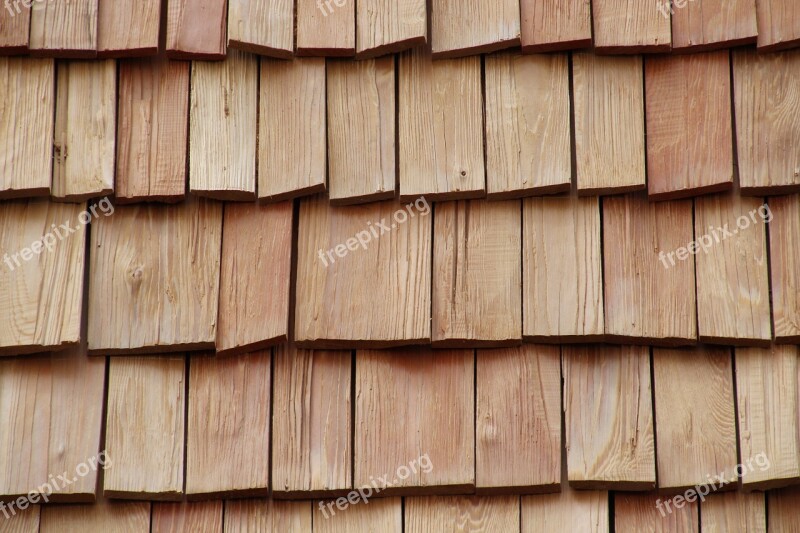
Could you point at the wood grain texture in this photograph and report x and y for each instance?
(227, 447)
(695, 419)
(609, 123)
(312, 449)
(689, 130)
(778, 24)
(518, 420)
(361, 130)
(267, 516)
(223, 126)
(649, 295)
(468, 28)
(562, 270)
(381, 514)
(25, 397)
(326, 29)
(377, 295)
(196, 29)
(767, 397)
(554, 25)
(443, 514)
(199, 517)
(609, 417)
(128, 28)
(254, 277)
(528, 147)
(105, 516)
(14, 34)
(767, 106)
(477, 271)
(153, 111)
(292, 128)
(53, 412)
(145, 428)
(265, 28)
(85, 129)
(28, 278)
(569, 510)
(784, 239)
(712, 24)
(734, 511)
(782, 509)
(65, 29)
(26, 126)
(76, 420)
(635, 513)
(440, 131)
(732, 308)
(631, 26)
(155, 278)
(415, 406)
(23, 522)
(385, 26)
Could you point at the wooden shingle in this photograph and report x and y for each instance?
(631, 26)
(154, 274)
(609, 417)
(222, 127)
(554, 25)
(766, 393)
(562, 269)
(439, 514)
(228, 421)
(784, 260)
(440, 127)
(695, 420)
(195, 29)
(730, 236)
(466, 28)
(477, 270)
(518, 420)
(767, 110)
(292, 128)
(85, 129)
(711, 24)
(649, 294)
(65, 29)
(353, 295)
(312, 448)
(384, 26)
(361, 130)
(527, 125)
(153, 111)
(255, 273)
(609, 123)
(128, 28)
(265, 28)
(415, 401)
(26, 127)
(53, 274)
(145, 427)
(689, 125)
(326, 28)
